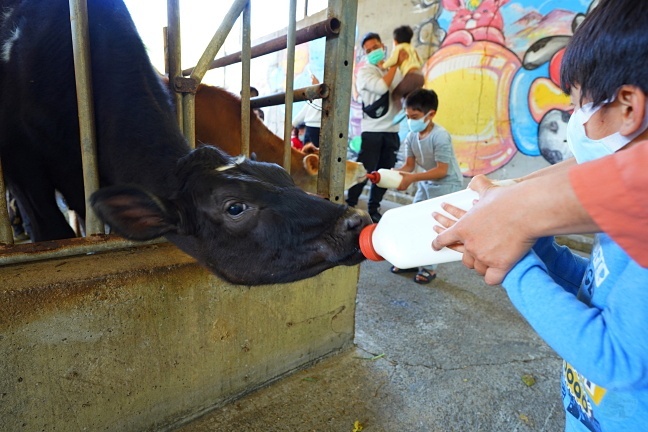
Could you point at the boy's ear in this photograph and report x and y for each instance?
(633, 105)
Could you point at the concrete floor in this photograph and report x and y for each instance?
(453, 355)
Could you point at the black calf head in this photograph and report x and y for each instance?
(245, 221)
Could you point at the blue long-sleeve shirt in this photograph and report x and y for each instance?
(594, 314)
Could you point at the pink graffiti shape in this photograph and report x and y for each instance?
(483, 23)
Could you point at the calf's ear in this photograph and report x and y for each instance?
(133, 213)
(311, 164)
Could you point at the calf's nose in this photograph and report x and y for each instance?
(356, 220)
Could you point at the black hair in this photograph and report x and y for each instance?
(252, 90)
(403, 34)
(609, 49)
(370, 36)
(422, 100)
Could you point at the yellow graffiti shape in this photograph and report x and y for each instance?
(473, 4)
(473, 85)
(544, 96)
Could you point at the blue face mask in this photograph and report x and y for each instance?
(586, 149)
(418, 125)
(375, 56)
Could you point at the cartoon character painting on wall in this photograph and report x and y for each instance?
(495, 66)
(475, 20)
(472, 73)
(552, 109)
(496, 103)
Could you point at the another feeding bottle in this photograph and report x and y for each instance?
(404, 235)
(385, 178)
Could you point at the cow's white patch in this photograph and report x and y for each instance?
(6, 13)
(8, 44)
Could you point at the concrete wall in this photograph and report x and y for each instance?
(140, 339)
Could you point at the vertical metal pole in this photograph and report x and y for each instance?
(173, 43)
(246, 52)
(189, 118)
(82, 67)
(290, 78)
(6, 233)
(338, 65)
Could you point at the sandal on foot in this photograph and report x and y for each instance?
(424, 277)
(397, 270)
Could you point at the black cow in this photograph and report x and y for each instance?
(244, 220)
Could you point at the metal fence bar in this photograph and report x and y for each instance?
(245, 80)
(6, 233)
(85, 101)
(326, 28)
(338, 71)
(63, 248)
(217, 41)
(189, 118)
(174, 53)
(290, 80)
(198, 72)
(309, 93)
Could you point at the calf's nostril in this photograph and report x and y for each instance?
(356, 221)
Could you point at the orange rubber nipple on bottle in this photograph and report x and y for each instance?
(374, 177)
(366, 244)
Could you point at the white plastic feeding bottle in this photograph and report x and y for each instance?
(385, 178)
(404, 235)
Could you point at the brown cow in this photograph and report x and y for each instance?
(218, 122)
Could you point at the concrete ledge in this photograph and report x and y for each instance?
(143, 339)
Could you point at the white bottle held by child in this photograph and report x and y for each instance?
(404, 234)
(385, 178)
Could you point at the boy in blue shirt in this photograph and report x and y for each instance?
(594, 312)
(429, 148)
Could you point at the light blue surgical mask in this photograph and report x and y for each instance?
(586, 149)
(375, 56)
(301, 137)
(418, 125)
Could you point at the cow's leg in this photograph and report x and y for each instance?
(37, 200)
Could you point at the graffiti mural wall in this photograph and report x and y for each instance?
(495, 66)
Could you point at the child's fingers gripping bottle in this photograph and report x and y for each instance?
(404, 235)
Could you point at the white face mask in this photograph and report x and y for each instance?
(587, 149)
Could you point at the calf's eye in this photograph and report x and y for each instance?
(236, 209)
